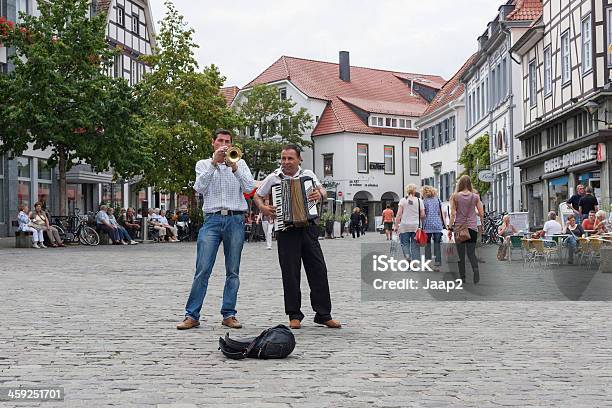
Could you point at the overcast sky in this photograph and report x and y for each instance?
(244, 37)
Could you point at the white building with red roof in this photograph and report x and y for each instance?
(364, 135)
(442, 136)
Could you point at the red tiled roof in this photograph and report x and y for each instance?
(229, 93)
(452, 90)
(385, 107)
(526, 10)
(371, 90)
(103, 5)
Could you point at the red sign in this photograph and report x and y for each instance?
(601, 152)
(339, 193)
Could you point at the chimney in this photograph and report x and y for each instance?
(345, 66)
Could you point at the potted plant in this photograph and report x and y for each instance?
(327, 222)
(342, 219)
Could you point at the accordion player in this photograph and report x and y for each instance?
(293, 208)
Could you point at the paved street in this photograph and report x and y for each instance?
(100, 322)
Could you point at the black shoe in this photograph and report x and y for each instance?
(481, 260)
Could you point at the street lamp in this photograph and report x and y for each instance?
(591, 107)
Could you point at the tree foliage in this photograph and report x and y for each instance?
(59, 96)
(183, 106)
(475, 157)
(273, 122)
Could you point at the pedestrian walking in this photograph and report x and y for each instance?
(433, 223)
(463, 224)
(355, 223)
(410, 211)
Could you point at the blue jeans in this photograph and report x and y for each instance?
(123, 234)
(436, 237)
(410, 247)
(217, 228)
(572, 243)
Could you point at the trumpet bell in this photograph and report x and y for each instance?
(233, 154)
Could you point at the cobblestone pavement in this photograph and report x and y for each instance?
(100, 322)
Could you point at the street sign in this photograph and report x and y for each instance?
(339, 193)
(486, 176)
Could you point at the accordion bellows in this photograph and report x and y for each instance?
(292, 205)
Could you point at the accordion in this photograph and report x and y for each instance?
(293, 208)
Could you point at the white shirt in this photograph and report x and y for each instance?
(552, 227)
(410, 214)
(221, 188)
(277, 175)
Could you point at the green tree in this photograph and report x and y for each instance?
(474, 157)
(183, 106)
(59, 97)
(273, 122)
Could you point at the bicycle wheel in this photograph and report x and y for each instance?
(61, 232)
(89, 236)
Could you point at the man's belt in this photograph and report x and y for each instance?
(227, 212)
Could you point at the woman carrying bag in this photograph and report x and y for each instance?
(464, 204)
(433, 223)
(410, 211)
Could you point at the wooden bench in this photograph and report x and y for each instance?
(23, 239)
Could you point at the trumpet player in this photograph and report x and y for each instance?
(221, 180)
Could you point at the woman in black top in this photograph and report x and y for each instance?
(355, 226)
(574, 231)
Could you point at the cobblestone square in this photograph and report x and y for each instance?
(100, 322)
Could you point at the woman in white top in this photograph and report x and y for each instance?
(25, 224)
(39, 217)
(410, 211)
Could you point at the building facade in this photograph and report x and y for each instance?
(441, 134)
(566, 79)
(27, 178)
(493, 87)
(365, 141)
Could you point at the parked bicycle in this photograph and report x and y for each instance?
(75, 229)
(490, 234)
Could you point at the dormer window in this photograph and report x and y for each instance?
(390, 122)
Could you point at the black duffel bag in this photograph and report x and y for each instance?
(275, 342)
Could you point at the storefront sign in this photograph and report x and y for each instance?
(601, 152)
(571, 159)
(377, 166)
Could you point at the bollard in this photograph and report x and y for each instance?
(145, 231)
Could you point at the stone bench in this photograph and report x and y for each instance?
(23, 239)
(605, 263)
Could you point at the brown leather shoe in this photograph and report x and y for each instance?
(334, 324)
(188, 323)
(295, 324)
(232, 322)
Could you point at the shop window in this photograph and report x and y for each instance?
(557, 192)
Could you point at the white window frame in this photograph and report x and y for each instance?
(120, 16)
(548, 70)
(391, 156)
(609, 34)
(566, 58)
(281, 92)
(587, 44)
(532, 81)
(361, 154)
(414, 157)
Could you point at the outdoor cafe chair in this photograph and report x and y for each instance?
(542, 251)
(516, 244)
(584, 249)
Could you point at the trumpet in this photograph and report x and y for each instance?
(233, 154)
